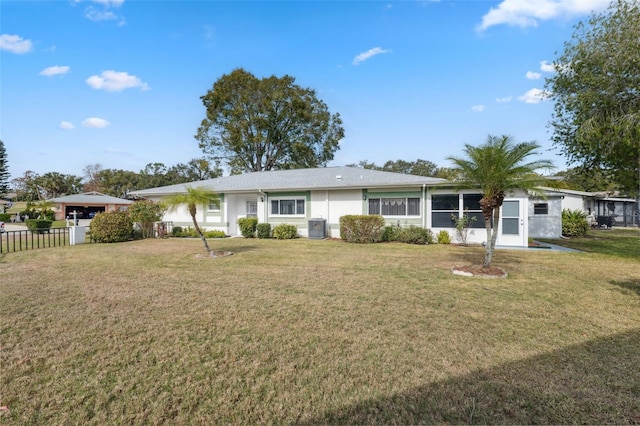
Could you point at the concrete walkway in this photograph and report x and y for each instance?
(544, 247)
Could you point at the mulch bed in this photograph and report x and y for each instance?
(479, 271)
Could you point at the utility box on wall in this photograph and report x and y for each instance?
(317, 229)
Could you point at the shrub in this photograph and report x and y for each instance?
(111, 227)
(389, 233)
(462, 226)
(361, 228)
(414, 235)
(285, 231)
(444, 237)
(574, 223)
(248, 226)
(146, 213)
(5, 217)
(176, 231)
(263, 230)
(214, 234)
(38, 226)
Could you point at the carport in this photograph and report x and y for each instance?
(87, 205)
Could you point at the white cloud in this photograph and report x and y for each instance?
(95, 15)
(546, 66)
(113, 81)
(55, 70)
(65, 125)
(533, 75)
(534, 96)
(95, 123)
(504, 99)
(109, 3)
(15, 44)
(527, 13)
(477, 108)
(369, 54)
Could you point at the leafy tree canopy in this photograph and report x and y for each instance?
(265, 124)
(418, 167)
(596, 90)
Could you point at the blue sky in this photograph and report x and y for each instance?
(118, 82)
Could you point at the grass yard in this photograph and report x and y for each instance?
(310, 332)
(622, 242)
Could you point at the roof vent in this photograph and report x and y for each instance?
(338, 177)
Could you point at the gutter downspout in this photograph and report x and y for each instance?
(424, 205)
(265, 205)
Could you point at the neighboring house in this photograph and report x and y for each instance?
(86, 205)
(305, 197)
(600, 208)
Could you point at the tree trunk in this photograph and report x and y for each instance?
(202, 237)
(491, 243)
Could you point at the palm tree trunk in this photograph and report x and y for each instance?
(202, 237)
(488, 251)
(491, 244)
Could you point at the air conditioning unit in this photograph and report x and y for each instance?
(317, 229)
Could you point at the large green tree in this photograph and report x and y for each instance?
(194, 198)
(4, 170)
(54, 184)
(596, 90)
(497, 167)
(270, 123)
(418, 167)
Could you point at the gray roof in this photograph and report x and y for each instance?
(299, 179)
(90, 198)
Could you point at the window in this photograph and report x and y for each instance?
(443, 208)
(471, 208)
(395, 206)
(252, 209)
(214, 206)
(287, 207)
(510, 218)
(541, 208)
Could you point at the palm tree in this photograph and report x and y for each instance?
(193, 198)
(498, 166)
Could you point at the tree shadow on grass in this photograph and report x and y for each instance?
(597, 382)
(630, 286)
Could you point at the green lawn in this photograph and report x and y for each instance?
(620, 242)
(312, 332)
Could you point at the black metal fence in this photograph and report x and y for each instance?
(12, 241)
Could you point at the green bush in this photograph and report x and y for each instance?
(38, 226)
(389, 233)
(5, 217)
(285, 231)
(361, 228)
(248, 226)
(444, 237)
(574, 223)
(415, 235)
(180, 232)
(214, 233)
(263, 230)
(146, 213)
(111, 227)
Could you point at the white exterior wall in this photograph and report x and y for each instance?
(341, 203)
(573, 202)
(549, 225)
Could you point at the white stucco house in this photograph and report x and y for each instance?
(307, 197)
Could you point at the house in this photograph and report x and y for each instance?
(545, 213)
(306, 197)
(87, 204)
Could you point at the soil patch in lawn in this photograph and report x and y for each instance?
(479, 271)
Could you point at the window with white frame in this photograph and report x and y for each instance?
(444, 207)
(288, 207)
(214, 206)
(409, 206)
(472, 209)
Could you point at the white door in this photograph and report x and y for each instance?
(512, 229)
